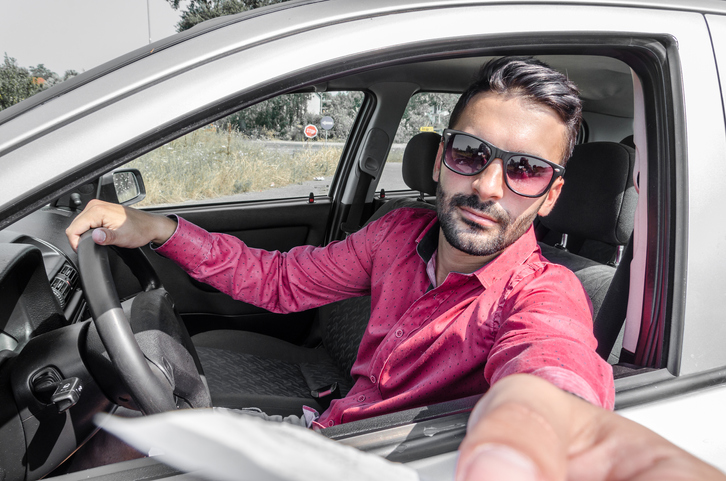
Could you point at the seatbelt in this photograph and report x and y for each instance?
(614, 309)
(326, 394)
(355, 215)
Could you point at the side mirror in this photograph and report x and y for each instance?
(122, 186)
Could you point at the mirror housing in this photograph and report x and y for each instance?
(122, 186)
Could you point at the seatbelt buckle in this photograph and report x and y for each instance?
(325, 394)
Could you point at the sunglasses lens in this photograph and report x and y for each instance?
(528, 176)
(466, 155)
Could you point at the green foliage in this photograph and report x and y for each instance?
(425, 110)
(284, 117)
(41, 71)
(69, 74)
(212, 163)
(199, 11)
(342, 107)
(16, 83)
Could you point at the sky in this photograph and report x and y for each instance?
(80, 34)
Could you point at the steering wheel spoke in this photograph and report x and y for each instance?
(165, 341)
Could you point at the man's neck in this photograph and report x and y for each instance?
(450, 259)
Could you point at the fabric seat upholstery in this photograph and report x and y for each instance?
(245, 369)
(596, 208)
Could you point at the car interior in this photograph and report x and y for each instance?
(250, 357)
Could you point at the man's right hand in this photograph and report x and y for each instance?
(524, 428)
(120, 226)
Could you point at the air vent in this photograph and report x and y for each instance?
(64, 283)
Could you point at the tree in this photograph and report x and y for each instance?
(343, 108)
(69, 74)
(17, 83)
(199, 11)
(41, 71)
(425, 110)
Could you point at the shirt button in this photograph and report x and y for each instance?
(399, 333)
(361, 398)
(331, 424)
(373, 379)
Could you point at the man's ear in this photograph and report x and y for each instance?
(551, 197)
(437, 164)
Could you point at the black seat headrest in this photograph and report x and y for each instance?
(418, 162)
(598, 198)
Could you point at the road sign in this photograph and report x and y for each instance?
(326, 122)
(311, 131)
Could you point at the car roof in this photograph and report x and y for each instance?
(335, 11)
(189, 56)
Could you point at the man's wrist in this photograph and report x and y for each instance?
(166, 227)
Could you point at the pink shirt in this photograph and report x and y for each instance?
(517, 314)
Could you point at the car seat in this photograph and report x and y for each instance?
(594, 215)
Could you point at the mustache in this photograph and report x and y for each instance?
(489, 208)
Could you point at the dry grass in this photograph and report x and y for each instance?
(208, 164)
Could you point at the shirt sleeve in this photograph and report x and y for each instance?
(546, 330)
(282, 282)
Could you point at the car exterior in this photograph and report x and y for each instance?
(649, 68)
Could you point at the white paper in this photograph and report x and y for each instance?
(225, 446)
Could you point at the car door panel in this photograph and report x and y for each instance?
(273, 225)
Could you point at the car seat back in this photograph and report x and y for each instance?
(595, 212)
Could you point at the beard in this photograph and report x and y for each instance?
(475, 239)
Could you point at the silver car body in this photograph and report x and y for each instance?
(119, 110)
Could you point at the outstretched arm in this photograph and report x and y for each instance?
(525, 428)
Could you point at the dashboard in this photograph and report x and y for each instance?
(39, 280)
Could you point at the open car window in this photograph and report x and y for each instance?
(266, 151)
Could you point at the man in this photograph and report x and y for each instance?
(460, 298)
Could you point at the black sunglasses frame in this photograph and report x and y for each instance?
(448, 135)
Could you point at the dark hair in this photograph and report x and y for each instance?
(533, 80)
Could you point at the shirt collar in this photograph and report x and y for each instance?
(428, 240)
(513, 256)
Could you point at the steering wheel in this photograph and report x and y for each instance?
(168, 368)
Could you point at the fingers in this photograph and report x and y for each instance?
(527, 429)
(118, 225)
(96, 214)
(519, 430)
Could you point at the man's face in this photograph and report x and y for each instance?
(479, 215)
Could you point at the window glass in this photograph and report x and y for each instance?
(425, 112)
(266, 151)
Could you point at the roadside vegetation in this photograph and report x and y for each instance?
(212, 163)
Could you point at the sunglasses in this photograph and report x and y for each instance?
(525, 174)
